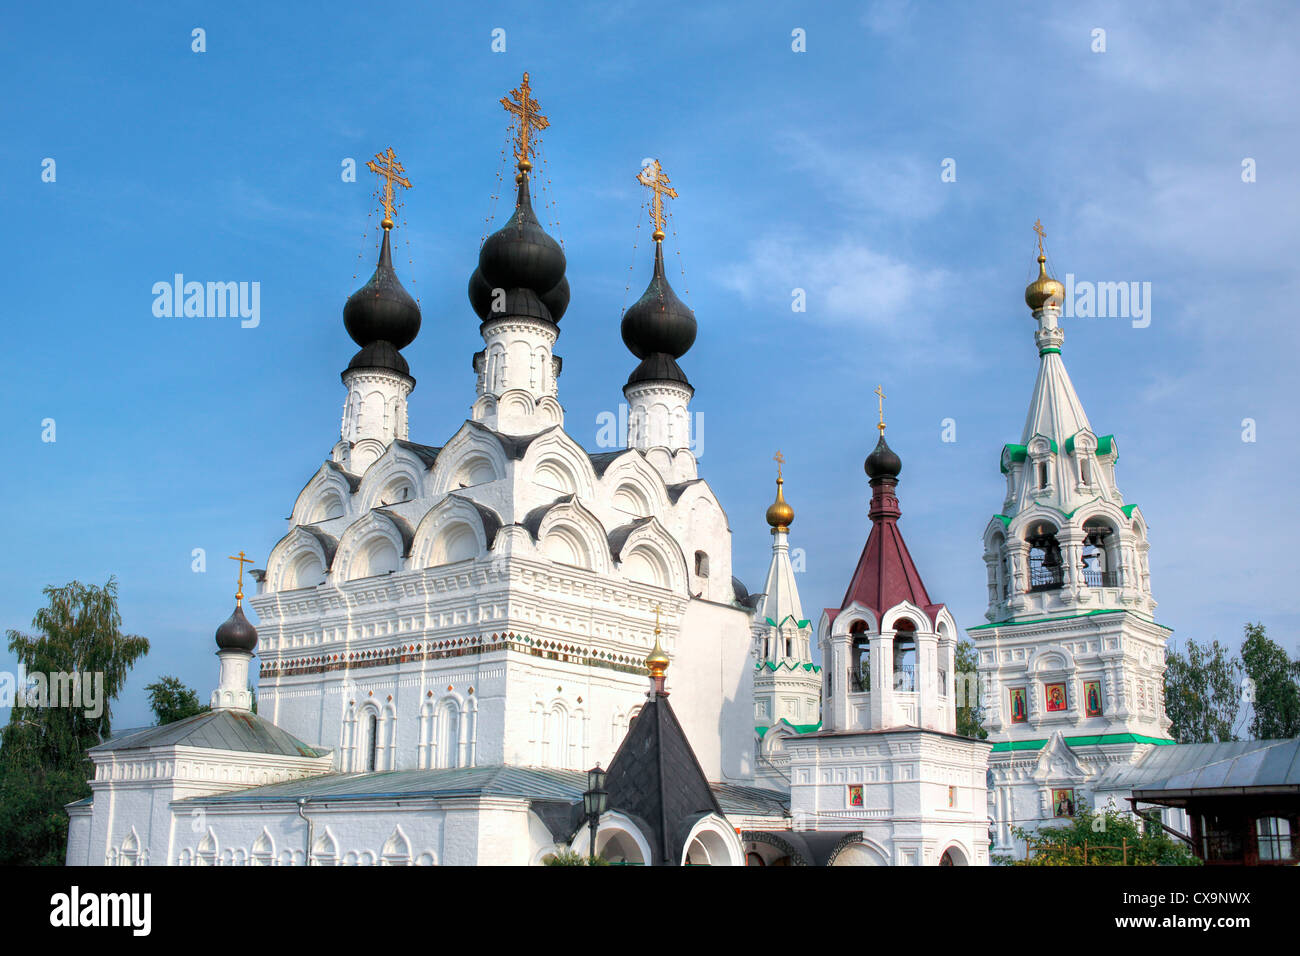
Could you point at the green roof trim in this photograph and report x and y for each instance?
(1128, 510)
(1105, 445)
(1042, 352)
(1006, 520)
(1066, 617)
(774, 666)
(788, 617)
(1088, 740)
(1015, 452)
(798, 728)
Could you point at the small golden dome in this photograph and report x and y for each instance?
(657, 660)
(779, 514)
(1044, 289)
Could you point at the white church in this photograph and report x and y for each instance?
(450, 636)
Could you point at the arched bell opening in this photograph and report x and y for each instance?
(1100, 554)
(1046, 570)
(860, 658)
(905, 656)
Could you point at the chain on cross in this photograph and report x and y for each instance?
(390, 170)
(525, 109)
(652, 176)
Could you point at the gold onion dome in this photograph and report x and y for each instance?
(779, 513)
(1044, 290)
(657, 660)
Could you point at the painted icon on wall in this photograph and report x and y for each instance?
(1055, 694)
(855, 794)
(1063, 803)
(952, 796)
(1019, 714)
(1092, 698)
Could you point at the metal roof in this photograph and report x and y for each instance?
(1235, 766)
(523, 782)
(239, 731)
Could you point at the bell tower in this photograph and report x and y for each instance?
(1071, 661)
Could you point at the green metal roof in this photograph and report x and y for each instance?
(1087, 740)
(1066, 617)
(798, 728)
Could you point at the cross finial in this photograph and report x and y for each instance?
(780, 460)
(880, 398)
(529, 119)
(657, 631)
(653, 178)
(239, 589)
(386, 167)
(1042, 234)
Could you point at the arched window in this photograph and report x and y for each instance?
(1044, 558)
(905, 656)
(448, 752)
(1042, 474)
(1085, 473)
(372, 741)
(860, 658)
(701, 564)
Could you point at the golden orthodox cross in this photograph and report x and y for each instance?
(880, 398)
(526, 109)
(390, 170)
(1042, 234)
(780, 460)
(653, 178)
(239, 591)
(657, 631)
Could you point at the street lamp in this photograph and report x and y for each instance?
(593, 804)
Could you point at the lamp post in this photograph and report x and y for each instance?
(593, 804)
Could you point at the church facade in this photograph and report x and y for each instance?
(451, 636)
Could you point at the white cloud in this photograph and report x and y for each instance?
(846, 281)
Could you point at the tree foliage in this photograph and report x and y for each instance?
(43, 763)
(570, 858)
(1202, 693)
(970, 708)
(1101, 838)
(1274, 686)
(170, 700)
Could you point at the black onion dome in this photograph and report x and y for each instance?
(381, 310)
(237, 633)
(659, 322)
(526, 262)
(882, 462)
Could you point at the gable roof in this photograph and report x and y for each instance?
(656, 779)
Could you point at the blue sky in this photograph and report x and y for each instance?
(818, 170)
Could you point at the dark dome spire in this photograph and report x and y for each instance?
(658, 328)
(882, 462)
(237, 633)
(521, 259)
(382, 317)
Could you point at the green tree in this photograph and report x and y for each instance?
(170, 700)
(970, 708)
(1274, 686)
(570, 858)
(1202, 693)
(43, 762)
(1101, 838)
